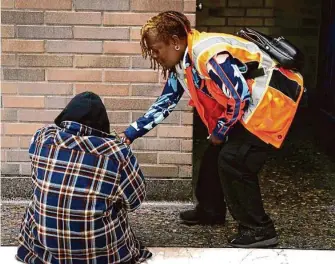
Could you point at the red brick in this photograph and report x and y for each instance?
(134, 19)
(45, 61)
(8, 60)
(3, 155)
(9, 142)
(7, 31)
(44, 4)
(127, 103)
(37, 116)
(190, 6)
(187, 118)
(25, 168)
(73, 46)
(186, 145)
(25, 141)
(95, 61)
(16, 45)
(24, 74)
(10, 169)
(73, 18)
(35, 88)
(9, 88)
(103, 5)
(100, 33)
(7, 4)
(130, 76)
(22, 17)
(147, 90)
(156, 5)
(135, 33)
(8, 115)
(175, 158)
(21, 128)
(159, 171)
(44, 32)
(163, 144)
(74, 75)
(17, 156)
(23, 101)
(185, 171)
(152, 144)
(104, 89)
(119, 117)
(146, 157)
(183, 105)
(140, 62)
(56, 102)
(175, 131)
(127, 19)
(192, 19)
(122, 47)
(138, 144)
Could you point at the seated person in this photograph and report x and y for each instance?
(85, 183)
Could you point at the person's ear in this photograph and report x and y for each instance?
(175, 40)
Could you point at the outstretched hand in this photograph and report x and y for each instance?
(125, 139)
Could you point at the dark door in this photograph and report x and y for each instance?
(326, 76)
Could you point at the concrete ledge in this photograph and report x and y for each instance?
(20, 188)
(157, 224)
(168, 255)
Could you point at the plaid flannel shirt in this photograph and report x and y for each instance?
(85, 182)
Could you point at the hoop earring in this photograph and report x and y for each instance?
(177, 47)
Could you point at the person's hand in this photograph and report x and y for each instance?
(215, 140)
(125, 139)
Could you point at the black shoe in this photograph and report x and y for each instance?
(252, 239)
(195, 217)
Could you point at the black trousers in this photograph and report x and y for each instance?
(228, 177)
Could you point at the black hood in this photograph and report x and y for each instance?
(86, 108)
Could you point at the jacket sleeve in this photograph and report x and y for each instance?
(227, 76)
(132, 185)
(163, 106)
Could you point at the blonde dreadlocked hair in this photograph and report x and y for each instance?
(166, 24)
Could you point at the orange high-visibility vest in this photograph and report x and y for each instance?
(271, 109)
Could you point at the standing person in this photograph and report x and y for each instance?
(244, 100)
(85, 183)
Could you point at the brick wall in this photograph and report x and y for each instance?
(297, 20)
(52, 50)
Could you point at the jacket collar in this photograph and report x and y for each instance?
(78, 129)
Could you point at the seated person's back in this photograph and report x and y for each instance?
(85, 180)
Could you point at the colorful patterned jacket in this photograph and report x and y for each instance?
(175, 87)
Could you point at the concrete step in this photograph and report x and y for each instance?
(156, 224)
(168, 255)
(20, 188)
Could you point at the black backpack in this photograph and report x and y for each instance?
(280, 49)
